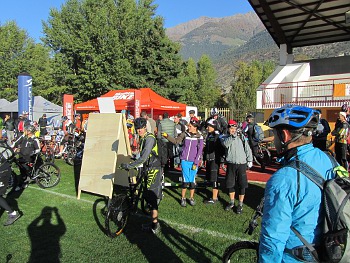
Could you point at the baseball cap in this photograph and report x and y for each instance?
(232, 123)
(194, 122)
(191, 112)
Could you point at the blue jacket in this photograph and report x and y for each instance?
(283, 209)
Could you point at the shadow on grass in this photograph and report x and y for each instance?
(45, 236)
(155, 250)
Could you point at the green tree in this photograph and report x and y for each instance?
(247, 79)
(207, 91)
(109, 44)
(19, 53)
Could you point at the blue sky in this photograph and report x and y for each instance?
(28, 14)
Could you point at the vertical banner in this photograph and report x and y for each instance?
(137, 100)
(25, 98)
(68, 107)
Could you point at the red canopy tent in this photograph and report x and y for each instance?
(151, 102)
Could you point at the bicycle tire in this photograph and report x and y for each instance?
(117, 215)
(47, 175)
(243, 252)
(71, 153)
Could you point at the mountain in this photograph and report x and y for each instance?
(241, 37)
(214, 36)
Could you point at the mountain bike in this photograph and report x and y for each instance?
(246, 251)
(264, 155)
(45, 175)
(124, 204)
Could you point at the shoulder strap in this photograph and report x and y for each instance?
(308, 171)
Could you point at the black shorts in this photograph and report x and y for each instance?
(236, 176)
(154, 187)
(211, 171)
(5, 174)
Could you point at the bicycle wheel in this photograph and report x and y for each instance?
(71, 152)
(117, 215)
(47, 175)
(243, 252)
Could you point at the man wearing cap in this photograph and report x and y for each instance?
(192, 114)
(42, 124)
(168, 126)
(319, 139)
(238, 158)
(340, 132)
(252, 143)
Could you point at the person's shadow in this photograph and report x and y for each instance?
(45, 236)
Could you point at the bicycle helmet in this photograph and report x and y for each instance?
(294, 116)
(212, 123)
(344, 107)
(30, 128)
(214, 111)
(140, 123)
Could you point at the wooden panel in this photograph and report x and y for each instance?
(106, 146)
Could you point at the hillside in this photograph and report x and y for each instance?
(214, 36)
(241, 37)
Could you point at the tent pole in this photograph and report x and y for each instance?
(152, 113)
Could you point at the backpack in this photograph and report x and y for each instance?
(258, 133)
(335, 241)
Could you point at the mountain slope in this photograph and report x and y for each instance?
(241, 37)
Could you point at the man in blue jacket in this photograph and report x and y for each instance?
(291, 199)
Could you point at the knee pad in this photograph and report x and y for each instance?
(185, 185)
(192, 185)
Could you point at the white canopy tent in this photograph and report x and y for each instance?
(3, 103)
(40, 106)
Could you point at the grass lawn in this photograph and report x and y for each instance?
(56, 227)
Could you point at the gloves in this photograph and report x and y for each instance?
(164, 134)
(194, 167)
(250, 165)
(125, 166)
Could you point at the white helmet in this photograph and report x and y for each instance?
(214, 111)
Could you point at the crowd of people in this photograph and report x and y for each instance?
(292, 201)
(21, 136)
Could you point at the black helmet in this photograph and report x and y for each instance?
(140, 123)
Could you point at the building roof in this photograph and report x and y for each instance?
(299, 23)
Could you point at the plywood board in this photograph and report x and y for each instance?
(106, 147)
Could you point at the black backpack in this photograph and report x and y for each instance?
(335, 245)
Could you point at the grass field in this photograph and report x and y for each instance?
(56, 227)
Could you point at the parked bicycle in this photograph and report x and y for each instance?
(45, 175)
(124, 204)
(246, 251)
(264, 155)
